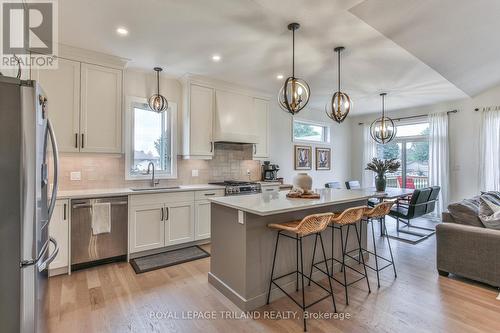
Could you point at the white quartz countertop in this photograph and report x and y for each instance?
(264, 204)
(96, 193)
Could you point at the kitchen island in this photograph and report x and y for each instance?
(242, 245)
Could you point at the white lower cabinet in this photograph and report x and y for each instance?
(179, 223)
(202, 213)
(146, 227)
(165, 219)
(59, 230)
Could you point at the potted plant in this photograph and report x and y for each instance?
(381, 167)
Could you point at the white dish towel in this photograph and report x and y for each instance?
(101, 218)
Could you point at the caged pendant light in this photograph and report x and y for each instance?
(157, 102)
(339, 106)
(294, 94)
(383, 130)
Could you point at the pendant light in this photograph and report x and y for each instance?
(339, 106)
(157, 102)
(383, 129)
(294, 94)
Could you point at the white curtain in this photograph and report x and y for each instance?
(489, 169)
(439, 166)
(369, 152)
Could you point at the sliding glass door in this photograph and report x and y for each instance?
(411, 149)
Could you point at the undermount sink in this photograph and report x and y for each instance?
(159, 188)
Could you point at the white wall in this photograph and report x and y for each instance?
(282, 147)
(463, 135)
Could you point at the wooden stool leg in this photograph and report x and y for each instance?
(327, 271)
(272, 269)
(362, 258)
(375, 251)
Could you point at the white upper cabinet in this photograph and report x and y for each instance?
(85, 100)
(198, 117)
(101, 105)
(261, 115)
(221, 112)
(62, 87)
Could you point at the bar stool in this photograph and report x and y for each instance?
(347, 218)
(370, 215)
(309, 225)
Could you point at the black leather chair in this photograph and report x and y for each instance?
(334, 185)
(422, 202)
(352, 184)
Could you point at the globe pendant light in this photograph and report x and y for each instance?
(339, 106)
(294, 94)
(383, 129)
(157, 102)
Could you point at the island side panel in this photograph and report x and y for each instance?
(227, 262)
(260, 243)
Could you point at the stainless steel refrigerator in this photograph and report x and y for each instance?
(27, 144)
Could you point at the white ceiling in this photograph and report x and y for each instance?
(457, 38)
(255, 45)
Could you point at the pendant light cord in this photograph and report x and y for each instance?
(383, 107)
(293, 53)
(339, 69)
(158, 83)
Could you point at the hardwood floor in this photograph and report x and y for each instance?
(112, 298)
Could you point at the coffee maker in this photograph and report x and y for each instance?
(270, 171)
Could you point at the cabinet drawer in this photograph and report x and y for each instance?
(161, 198)
(204, 195)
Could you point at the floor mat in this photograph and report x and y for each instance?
(168, 258)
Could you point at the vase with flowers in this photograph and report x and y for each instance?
(381, 167)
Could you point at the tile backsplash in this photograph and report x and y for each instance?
(230, 161)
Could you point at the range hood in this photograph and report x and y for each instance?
(235, 120)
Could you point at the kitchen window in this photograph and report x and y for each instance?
(150, 137)
(312, 132)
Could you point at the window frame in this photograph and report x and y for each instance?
(131, 103)
(326, 127)
(403, 140)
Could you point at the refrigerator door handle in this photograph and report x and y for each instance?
(55, 152)
(46, 263)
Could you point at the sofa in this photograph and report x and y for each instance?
(465, 247)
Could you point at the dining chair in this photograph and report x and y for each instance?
(334, 185)
(352, 184)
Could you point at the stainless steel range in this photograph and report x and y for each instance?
(234, 187)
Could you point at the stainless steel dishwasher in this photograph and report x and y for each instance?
(88, 249)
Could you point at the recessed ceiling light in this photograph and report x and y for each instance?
(122, 31)
(279, 76)
(216, 58)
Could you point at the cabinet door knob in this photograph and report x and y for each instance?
(83, 140)
(76, 140)
(64, 212)
(161, 214)
(211, 146)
